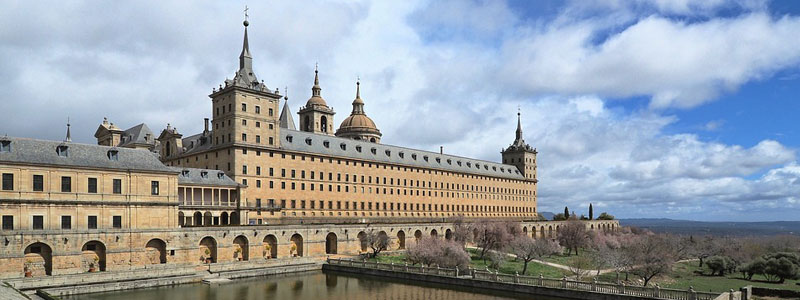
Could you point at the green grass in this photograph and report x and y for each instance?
(562, 259)
(508, 267)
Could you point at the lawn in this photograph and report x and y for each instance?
(562, 258)
(508, 267)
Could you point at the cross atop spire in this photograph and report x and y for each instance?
(245, 13)
(519, 124)
(69, 136)
(316, 90)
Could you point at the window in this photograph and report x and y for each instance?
(270, 112)
(38, 183)
(38, 222)
(92, 189)
(271, 141)
(244, 122)
(117, 186)
(8, 222)
(116, 221)
(113, 155)
(258, 124)
(244, 137)
(244, 107)
(5, 146)
(154, 187)
(244, 169)
(8, 182)
(258, 109)
(66, 184)
(258, 139)
(66, 222)
(62, 151)
(92, 222)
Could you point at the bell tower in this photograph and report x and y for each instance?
(521, 155)
(316, 116)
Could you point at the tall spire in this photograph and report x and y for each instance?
(245, 60)
(519, 124)
(285, 120)
(358, 104)
(316, 91)
(69, 136)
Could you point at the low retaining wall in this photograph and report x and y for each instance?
(122, 285)
(767, 292)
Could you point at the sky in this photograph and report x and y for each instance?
(645, 108)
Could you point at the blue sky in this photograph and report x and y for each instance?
(645, 108)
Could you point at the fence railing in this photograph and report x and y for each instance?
(654, 292)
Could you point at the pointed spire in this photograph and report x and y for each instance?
(69, 136)
(358, 103)
(519, 124)
(286, 120)
(316, 91)
(245, 60)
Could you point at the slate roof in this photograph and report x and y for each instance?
(196, 143)
(136, 135)
(392, 154)
(195, 177)
(39, 152)
(286, 121)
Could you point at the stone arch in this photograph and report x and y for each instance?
(307, 126)
(541, 232)
(434, 233)
(181, 219)
(93, 256)
(38, 259)
(448, 234)
(270, 246)
(401, 240)
(592, 226)
(208, 219)
(550, 231)
(297, 243)
(241, 244)
(418, 235)
(223, 218)
(331, 243)
(197, 219)
(525, 230)
(323, 124)
(234, 218)
(156, 251)
(208, 249)
(362, 241)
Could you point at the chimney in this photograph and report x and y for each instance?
(441, 149)
(206, 126)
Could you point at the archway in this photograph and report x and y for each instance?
(208, 250)
(156, 251)
(592, 226)
(234, 218)
(297, 244)
(418, 235)
(362, 241)
(241, 250)
(270, 247)
(383, 234)
(525, 230)
(550, 231)
(401, 240)
(181, 219)
(93, 256)
(197, 219)
(207, 219)
(223, 218)
(38, 259)
(331, 243)
(434, 233)
(448, 234)
(323, 124)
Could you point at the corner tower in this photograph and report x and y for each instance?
(358, 126)
(316, 116)
(244, 110)
(521, 155)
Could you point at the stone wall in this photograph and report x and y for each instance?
(72, 252)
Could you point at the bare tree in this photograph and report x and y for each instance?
(573, 235)
(461, 232)
(580, 266)
(377, 241)
(528, 249)
(610, 250)
(490, 236)
(651, 255)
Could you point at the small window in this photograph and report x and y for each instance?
(38, 222)
(5, 146)
(308, 141)
(326, 144)
(66, 222)
(185, 173)
(66, 184)
(388, 153)
(8, 182)
(458, 162)
(91, 222)
(401, 154)
(116, 221)
(220, 175)
(258, 109)
(38, 183)
(203, 174)
(449, 161)
(343, 146)
(358, 148)
(8, 222)
(113, 155)
(117, 186)
(289, 138)
(92, 188)
(244, 107)
(425, 158)
(62, 150)
(438, 160)
(154, 187)
(414, 156)
(374, 151)
(270, 112)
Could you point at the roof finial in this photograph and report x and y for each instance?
(286, 93)
(316, 90)
(69, 136)
(358, 87)
(245, 60)
(519, 123)
(246, 16)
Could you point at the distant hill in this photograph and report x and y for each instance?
(715, 228)
(547, 215)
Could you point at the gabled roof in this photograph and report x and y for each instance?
(139, 134)
(42, 152)
(308, 142)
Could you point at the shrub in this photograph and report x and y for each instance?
(605, 216)
(719, 264)
(757, 266)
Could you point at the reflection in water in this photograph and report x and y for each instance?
(310, 286)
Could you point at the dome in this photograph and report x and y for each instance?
(358, 126)
(358, 123)
(316, 100)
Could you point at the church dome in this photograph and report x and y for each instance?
(358, 122)
(316, 100)
(358, 126)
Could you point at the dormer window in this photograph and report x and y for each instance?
(401, 154)
(388, 153)
(204, 174)
(414, 156)
(113, 155)
(289, 138)
(358, 148)
(5, 146)
(62, 150)
(326, 144)
(374, 151)
(449, 161)
(459, 163)
(308, 141)
(438, 160)
(425, 158)
(469, 165)
(485, 167)
(185, 173)
(343, 146)
(220, 175)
